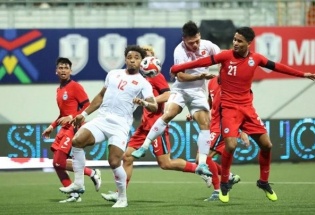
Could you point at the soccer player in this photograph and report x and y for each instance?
(123, 91)
(161, 145)
(237, 112)
(188, 90)
(216, 141)
(72, 100)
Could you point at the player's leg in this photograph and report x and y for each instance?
(255, 128)
(174, 106)
(115, 156)
(231, 119)
(94, 174)
(264, 158)
(199, 109)
(202, 118)
(87, 135)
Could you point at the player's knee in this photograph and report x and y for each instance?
(76, 142)
(127, 159)
(114, 163)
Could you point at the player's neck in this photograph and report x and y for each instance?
(244, 55)
(132, 71)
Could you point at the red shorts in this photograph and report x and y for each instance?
(161, 145)
(63, 140)
(235, 117)
(216, 142)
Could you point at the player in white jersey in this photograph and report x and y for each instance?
(123, 91)
(188, 90)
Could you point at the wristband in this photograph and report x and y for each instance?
(84, 114)
(145, 103)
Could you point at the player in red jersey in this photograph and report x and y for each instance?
(161, 146)
(216, 142)
(237, 112)
(71, 100)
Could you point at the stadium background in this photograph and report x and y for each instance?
(34, 33)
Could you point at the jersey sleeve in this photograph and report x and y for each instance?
(147, 90)
(81, 97)
(160, 83)
(213, 48)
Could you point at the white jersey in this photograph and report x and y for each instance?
(121, 89)
(182, 55)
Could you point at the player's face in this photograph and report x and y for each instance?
(148, 54)
(240, 45)
(133, 60)
(63, 71)
(192, 43)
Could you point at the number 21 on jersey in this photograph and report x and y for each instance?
(232, 70)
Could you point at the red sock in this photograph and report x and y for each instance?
(227, 159)
(63, 177)
(60, 163)
(219, 168)
(88, 171)
(264, 159)
(214, 170)
(190, 167)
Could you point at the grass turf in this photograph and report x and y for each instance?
(155, 191)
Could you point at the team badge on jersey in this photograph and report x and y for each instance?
(135, 82)
(226, 130)
(65, 96)
(251, 62)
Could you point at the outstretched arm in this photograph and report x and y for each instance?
(201, 62)
(281, 68)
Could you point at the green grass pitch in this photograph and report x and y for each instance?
(156, 191)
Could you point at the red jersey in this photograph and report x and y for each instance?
(214, 93)
(159, 86)
(71, 100)
(236, 73)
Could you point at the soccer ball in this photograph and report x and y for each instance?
(150, 66)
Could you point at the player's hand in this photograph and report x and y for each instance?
(206, 76)
(65, 120)
(189, 118)
(245, 139)
(46, 133)
(78, 120)
(140, 102)
(310, 76)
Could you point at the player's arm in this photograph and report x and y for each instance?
(201, 62)
(93, 106)
(50, 128)
(281, 68)
(149, 103)
(163, 97)
(185, 77)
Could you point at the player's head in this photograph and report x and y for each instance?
(133, 57)
(242, 39)
(191, 36)
(63, 68)
(148, 50)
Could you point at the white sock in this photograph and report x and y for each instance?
(156, 130)
(231, 176)
(78, 164)
(203, 143)
(120, 177)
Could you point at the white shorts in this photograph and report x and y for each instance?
(112, 127)
(195, 99)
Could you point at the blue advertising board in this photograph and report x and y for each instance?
(29, 55)
(293, 141)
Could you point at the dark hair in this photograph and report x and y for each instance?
(63, 60)
(247, 32)
(135, 48)
(190, 29)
